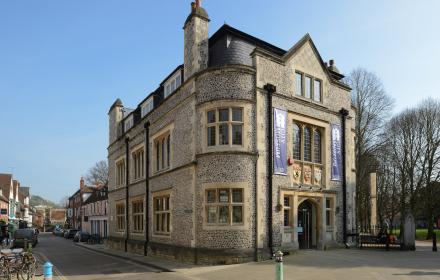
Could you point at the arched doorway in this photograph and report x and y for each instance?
(306, 225)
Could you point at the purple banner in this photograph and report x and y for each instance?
(336, 152)
(279, 142)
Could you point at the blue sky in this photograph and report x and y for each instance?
(63, 63)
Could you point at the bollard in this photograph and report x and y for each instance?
(25, 243)
(29, 248)
(279, 274)
(434, 242)
(47, 270)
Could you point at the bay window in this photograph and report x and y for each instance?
(225, 127)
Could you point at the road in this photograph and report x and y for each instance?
(73, 262)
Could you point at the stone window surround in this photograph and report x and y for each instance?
(168, 129)
(161, 193)
(325, 153)
(214, 105)
(119, 215)
(117, 162)
(312, 87)
(134, 150)
(330, 210)
(138, 199)
(246, 204)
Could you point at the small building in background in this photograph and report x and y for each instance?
(57, 216)
(94, 213)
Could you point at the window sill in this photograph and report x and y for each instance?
(162, 235)
(162, 170)
(239, 227)
(137, 232)
(309, 100)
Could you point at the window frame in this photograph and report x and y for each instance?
(120, 217)
(230, 204)
(289, 210)
(163, 212)
(313, 79)
(137, 215)
(138, 163)
(312, 163)
(329, 216)
(163, 152)
(230, 123)
(120, 172)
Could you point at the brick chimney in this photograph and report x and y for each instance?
(196, 47)
(81, 183)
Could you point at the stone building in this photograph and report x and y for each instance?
(243, 149)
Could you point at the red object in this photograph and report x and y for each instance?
(290, 161)
(198, 3)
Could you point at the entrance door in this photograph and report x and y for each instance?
(305, 225)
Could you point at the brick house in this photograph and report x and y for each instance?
(76, 201)
(243, 149)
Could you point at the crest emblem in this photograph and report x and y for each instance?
(318, 176)
(296, 172)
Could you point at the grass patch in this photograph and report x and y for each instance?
(421, 233)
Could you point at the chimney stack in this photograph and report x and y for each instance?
(196, 52)
(81, 183)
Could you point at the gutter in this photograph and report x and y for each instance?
(127, 181)
(270, 90)
(344, 113)
(147, 184)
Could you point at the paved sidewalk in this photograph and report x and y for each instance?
(154, 262)
(335, 264)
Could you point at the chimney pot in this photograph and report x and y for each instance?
(193, 6)
(198, 3)
(332, 62)
(326, 64)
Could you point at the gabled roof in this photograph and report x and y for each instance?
(333, 76)
(283, 55)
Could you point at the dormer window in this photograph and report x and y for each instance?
(128, 123)
(147, 107)
(172, 84)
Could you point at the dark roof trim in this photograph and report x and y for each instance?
(226, 29)
(172, 73)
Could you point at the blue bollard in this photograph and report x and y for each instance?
(47, 270)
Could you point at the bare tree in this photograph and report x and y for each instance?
(429, 115)
(373, 109)
(98, 174)
(64, 202)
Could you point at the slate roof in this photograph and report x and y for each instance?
(5, 184)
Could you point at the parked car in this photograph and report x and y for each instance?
(70, 233)
(21, 236)
(57, 232)
(81, 236)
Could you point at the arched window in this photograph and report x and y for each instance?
(296, 142)
(317, 146)
(307, 144)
